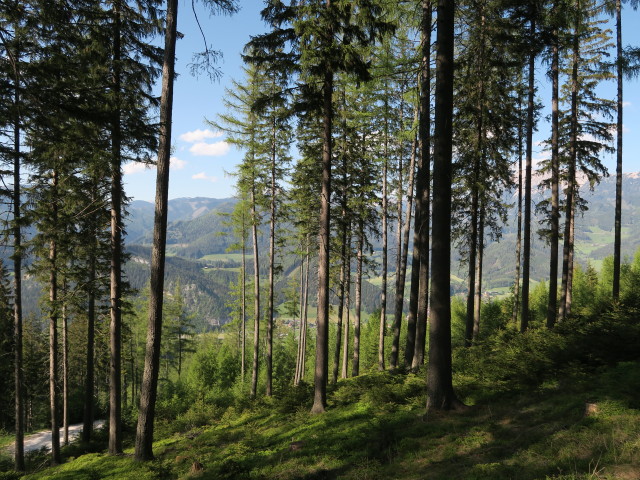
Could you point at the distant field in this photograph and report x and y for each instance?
(221, 257)
(598, 238)
(377, 281)
(211, 270)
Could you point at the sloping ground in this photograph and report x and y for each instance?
(586, 426)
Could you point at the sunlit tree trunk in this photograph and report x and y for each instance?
(526, 254)
(516, 283)
(385, 247)
(355, 371)
(17, 284)
(617, 242)
(440, 394)
(322, 322)
(423, 197)
(478, 301)
(567, 254)
(473, 243)
(148, 392)
(53, 333)
(87, 424)
(243, 308)
(65, 366)
(256, 296)
(347, 322)
(115, 327)
(400, 275)
(341, 297)
(552, 305)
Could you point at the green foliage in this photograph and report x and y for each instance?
(376, 428)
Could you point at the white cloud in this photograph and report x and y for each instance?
(204, 176)
(204, 149)
(626, 104)
(177, 164)
(139, 167)
(199, 135)
(135, 167)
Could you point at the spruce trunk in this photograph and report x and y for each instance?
(53, 334)
(567, 260)
(424, 196)
(478, 301)
(322, 322)
(440, 394)
(355, 370)
(617, 242)
(526, 254)
(115, 326)
(17, 290)
(552, 305)
(256, 297)
(341, 295)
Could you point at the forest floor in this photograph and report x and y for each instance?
(583, 426)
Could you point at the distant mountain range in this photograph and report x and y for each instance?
(198, 236)
(199, 239)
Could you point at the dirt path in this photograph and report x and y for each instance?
(39, 440)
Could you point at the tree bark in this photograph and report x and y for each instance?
(440, 394)
(322, 322)
(65, 367)
(148, 393)
(572, 224)
(552, 305)
(516, 284)
(304, 282)
(341, 296)
(305, 320)
(256, 297)
(115, 327)
(243, 295)
(617, 242)
(403, 250)
(272, 253)
(53, 333)
(385, 253)
(347, 323)
(87, 423)
(526, 260)
(401, 262)
(478, 300)
(414, 353)
(567, 260)
(355, 370)
(17, 285)
(474, 239)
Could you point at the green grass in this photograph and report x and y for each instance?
(376, 428)
(212, 270)
(233, 257)
(6, 439)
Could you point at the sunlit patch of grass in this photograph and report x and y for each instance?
(6, 439)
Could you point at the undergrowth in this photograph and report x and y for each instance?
(553, 405)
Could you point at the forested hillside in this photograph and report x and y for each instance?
(199, 233)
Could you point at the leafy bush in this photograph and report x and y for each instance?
(510, 360)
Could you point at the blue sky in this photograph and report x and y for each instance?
(202, 160)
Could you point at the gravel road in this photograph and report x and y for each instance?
(36, 441)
